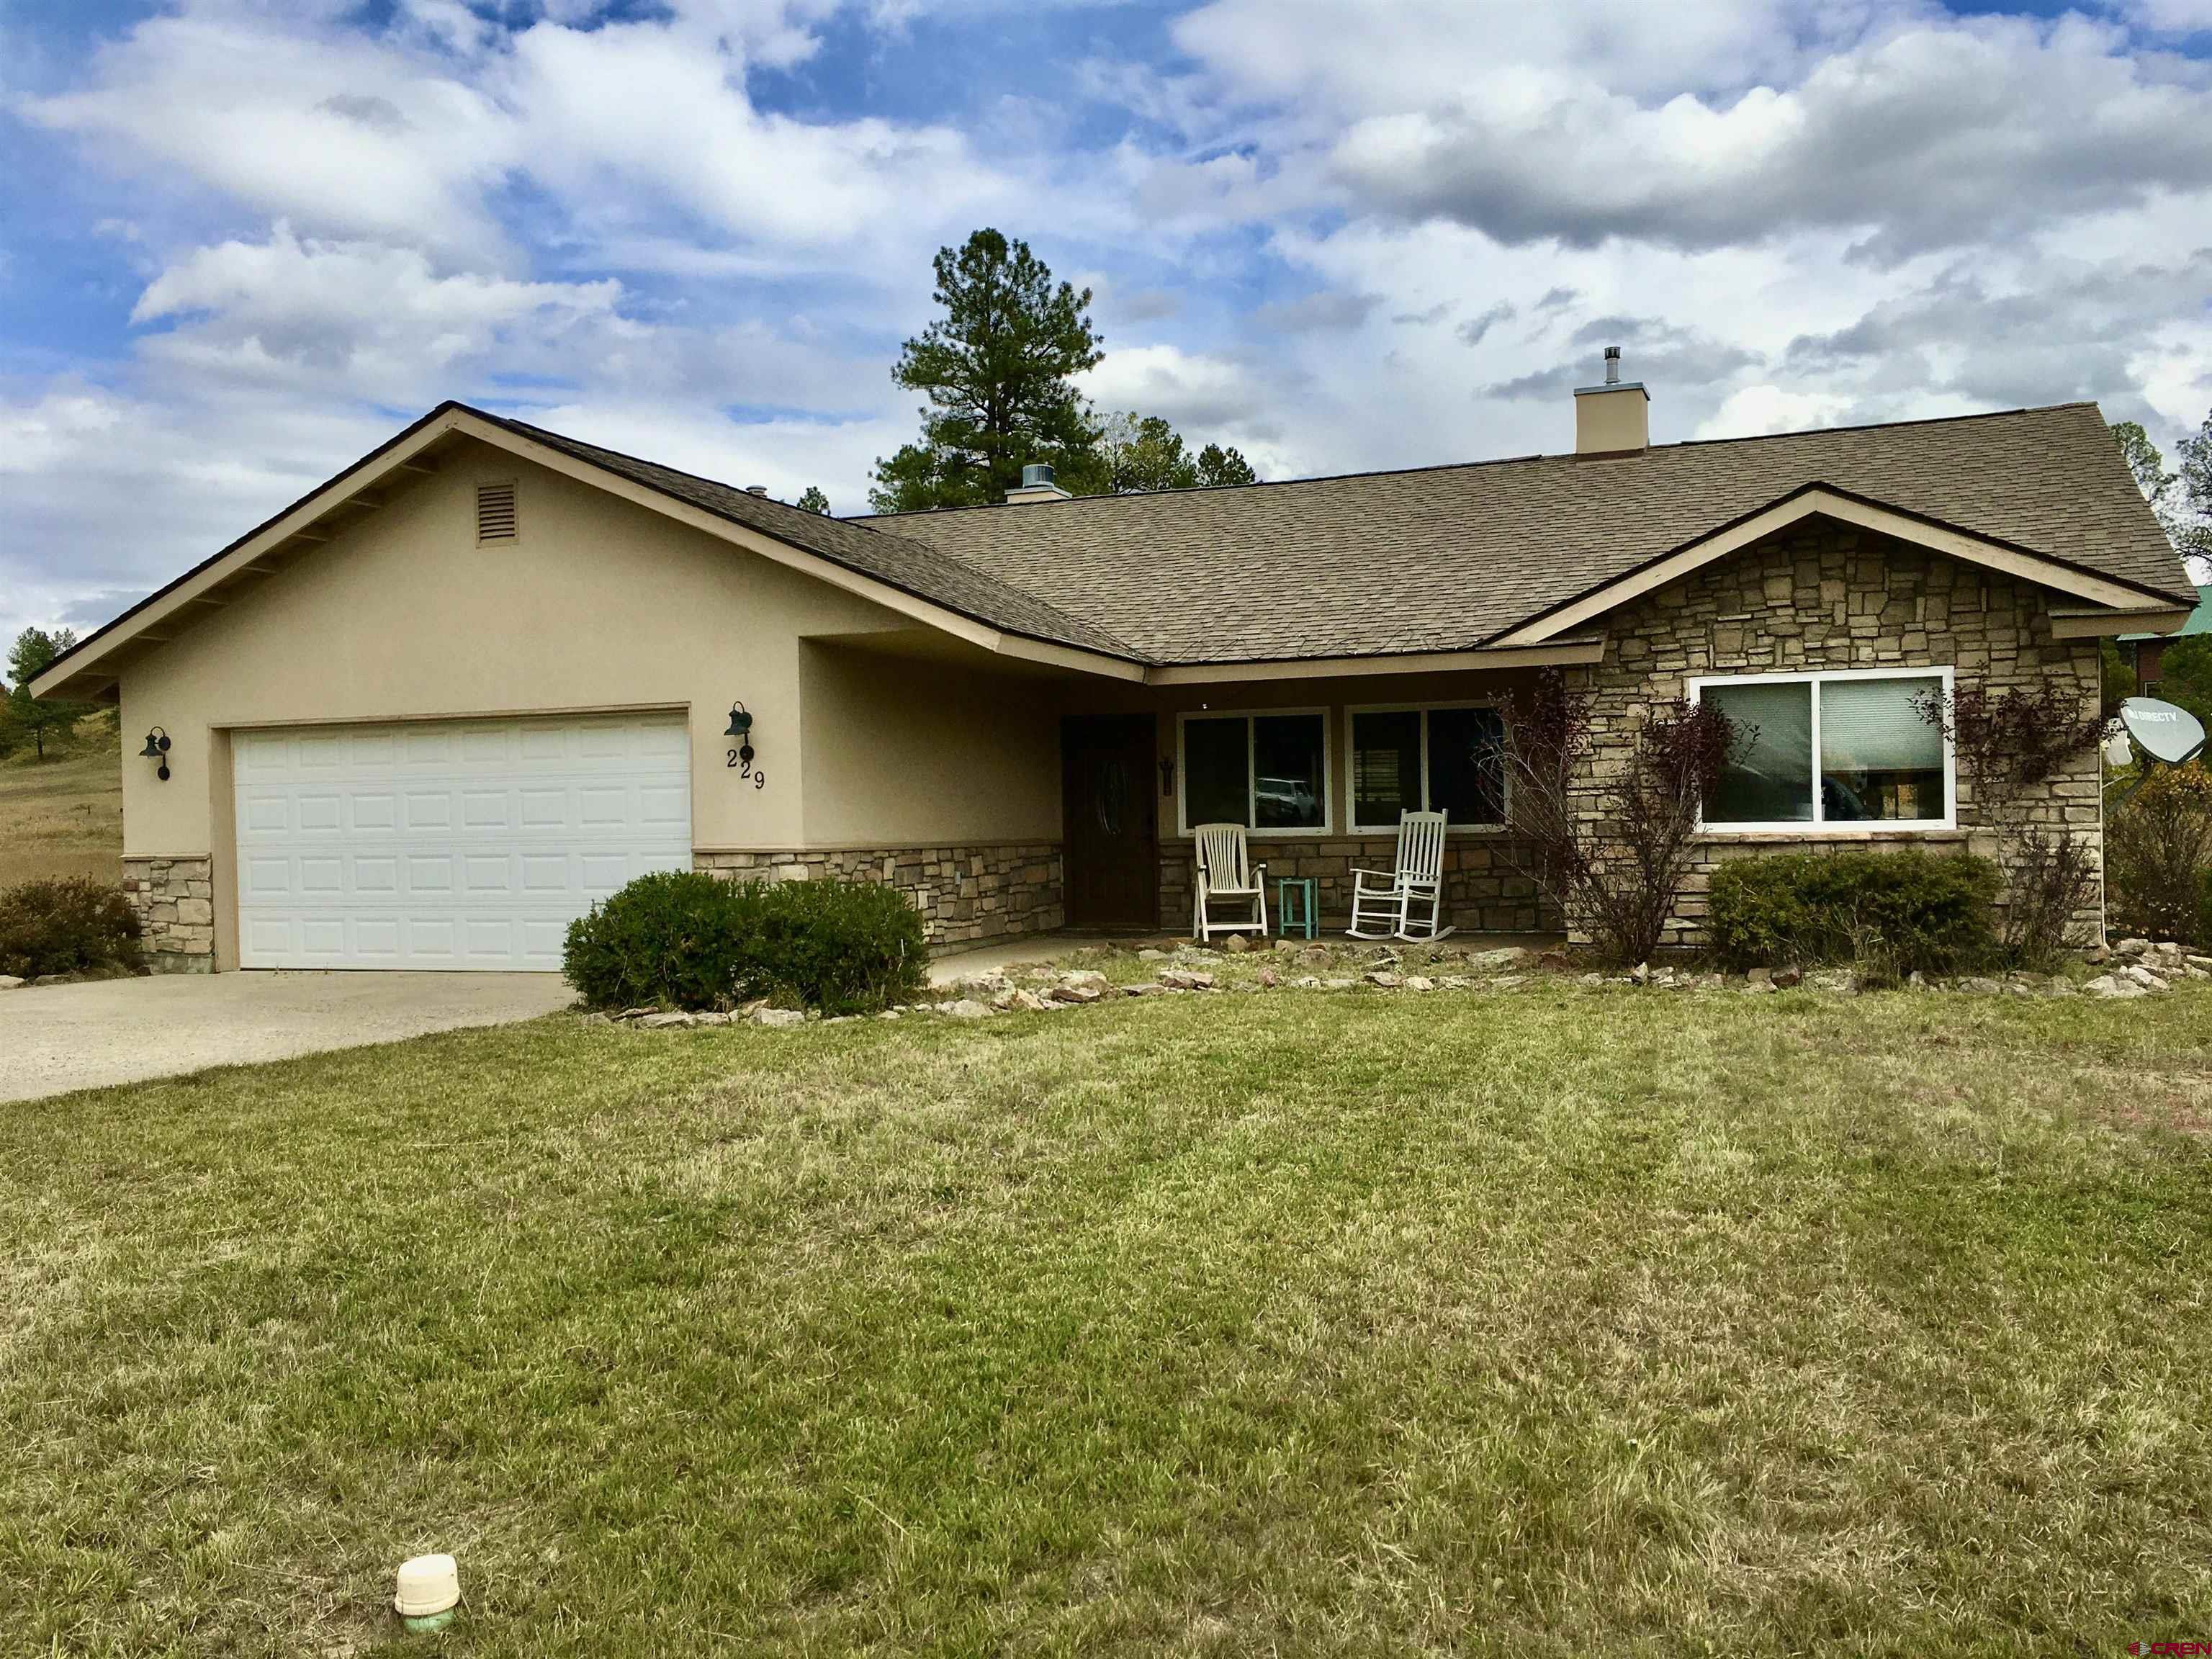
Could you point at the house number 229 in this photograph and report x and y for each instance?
(745, 768)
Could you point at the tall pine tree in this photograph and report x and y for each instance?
(997, 368)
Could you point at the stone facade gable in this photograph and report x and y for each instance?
(1827, 596)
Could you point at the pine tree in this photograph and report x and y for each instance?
(997, 368)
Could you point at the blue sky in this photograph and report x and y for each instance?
(241, 240)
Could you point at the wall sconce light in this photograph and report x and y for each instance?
(1167, 777)
(157, 749)
(741, 726)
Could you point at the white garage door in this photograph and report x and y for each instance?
(448, 844)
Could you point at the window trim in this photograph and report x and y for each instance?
(1183, 717)
(1817, 826)
(1351, 751)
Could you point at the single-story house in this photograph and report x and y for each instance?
(428, 712)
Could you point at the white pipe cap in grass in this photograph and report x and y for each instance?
(429, 1584)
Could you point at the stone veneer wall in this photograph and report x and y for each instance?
(175, 901)
(1824, 595)
(1482, 892)
(965, 893)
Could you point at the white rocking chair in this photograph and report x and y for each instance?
(1388, 904)
(1227, 875)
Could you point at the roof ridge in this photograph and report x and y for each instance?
(1529, 458)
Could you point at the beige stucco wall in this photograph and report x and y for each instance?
(904, 752)
(600, 604)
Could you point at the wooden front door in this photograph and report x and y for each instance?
(1111, 840)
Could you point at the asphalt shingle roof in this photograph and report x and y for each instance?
(1445, 558)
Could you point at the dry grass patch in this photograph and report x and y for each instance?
(1527, 1323)
(64, 816)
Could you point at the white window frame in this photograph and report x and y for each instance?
(1327, 826)
(1818, 824)
(1351, 751)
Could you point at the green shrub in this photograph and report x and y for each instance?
(65, 926)
(2158, 853)
(843, 947)
(1894, 912)
(685, 939)
(675, 938)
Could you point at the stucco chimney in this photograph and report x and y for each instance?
(1037, 485)
(1614, 418)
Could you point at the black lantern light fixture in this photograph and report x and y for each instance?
(741, 728)
(157, 749)
(1167, 777)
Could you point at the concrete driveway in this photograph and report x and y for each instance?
(58, 1037)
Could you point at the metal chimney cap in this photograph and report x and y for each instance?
(756, 489)
(1036, 475)
(1613, 365)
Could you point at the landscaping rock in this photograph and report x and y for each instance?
(1070, 993)
(1338, 984)
(664, 1022)
(9, 983)
(1148, 954)
(2112, 986)
(2139, 974)
(1237, 944)
(1759, 987)
(965, 1008)
(1384, 978)
(1502, 956)
(1786, 979)
(2130, 947)
(1591, 978)
(1306, 982)
(779, 1016)
(1640, 973)
(1267, 979)
(1419, 982)
(1144, 990)
(1186, 979)
(1760, 979)
(1980, 987)
(1455, 982)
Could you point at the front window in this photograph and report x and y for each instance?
(1437, 760)
(1819, 748)
(1267, 772)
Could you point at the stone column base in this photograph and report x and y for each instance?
(175, 901)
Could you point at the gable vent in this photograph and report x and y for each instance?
(494, 512)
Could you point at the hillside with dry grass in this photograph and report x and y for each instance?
(62, 815)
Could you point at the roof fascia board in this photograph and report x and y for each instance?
(195, 586)
(2098, 625)
(1551, 654)
(876, 591)
(1830, 503)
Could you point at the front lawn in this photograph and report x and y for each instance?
(1550, 1321)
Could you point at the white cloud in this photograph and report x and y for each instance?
(1340, 236)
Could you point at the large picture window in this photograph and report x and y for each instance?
(1435, 760)
(1266, 772)
(1853, 749)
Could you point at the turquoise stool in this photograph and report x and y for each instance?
(1304, 919)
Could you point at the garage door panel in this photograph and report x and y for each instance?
(464, 845)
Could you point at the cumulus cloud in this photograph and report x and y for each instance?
(1339, 236)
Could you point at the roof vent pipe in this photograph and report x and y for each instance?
(1613, 365)
(756, 489)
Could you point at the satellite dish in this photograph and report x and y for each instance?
(2162, 730)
